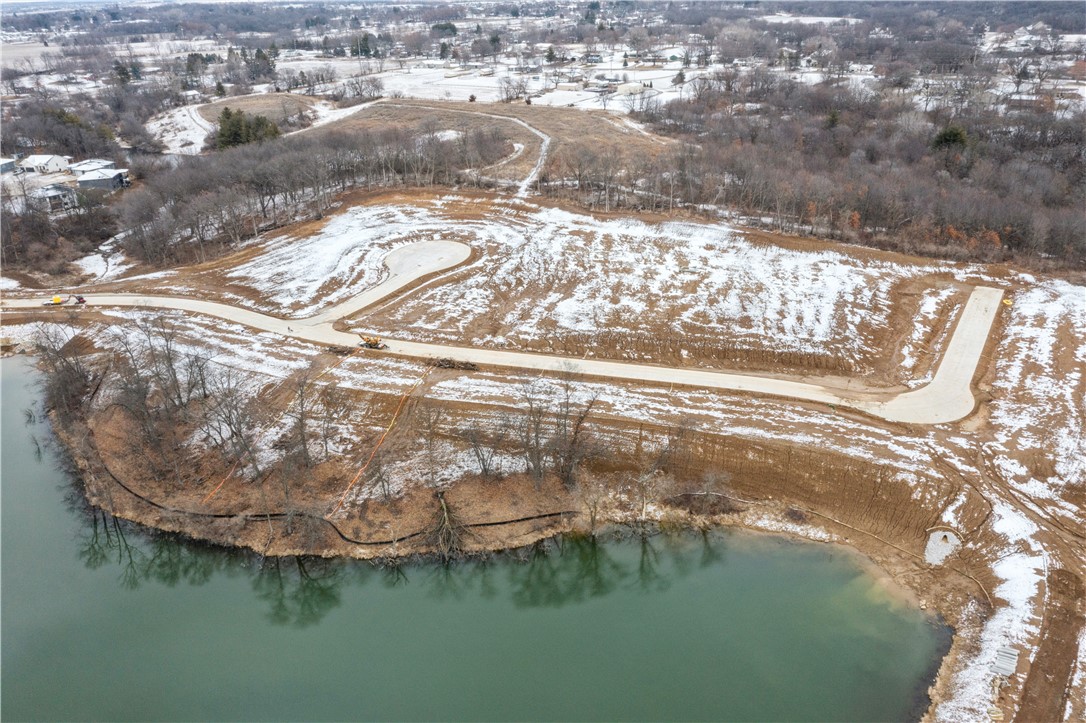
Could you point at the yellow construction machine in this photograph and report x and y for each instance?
(372, 342)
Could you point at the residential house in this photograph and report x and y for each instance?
(109, 179)
(45, 164)
(92, 164)
(55, 197)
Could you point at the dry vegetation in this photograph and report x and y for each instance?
(420, 120)
(277, 107)
(578, 136)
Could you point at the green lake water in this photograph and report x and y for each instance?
(103, 622)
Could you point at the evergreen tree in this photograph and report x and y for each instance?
(236, 128)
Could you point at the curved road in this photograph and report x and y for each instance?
(544, 146)
(405, 265)
(948, 397)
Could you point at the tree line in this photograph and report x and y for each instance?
(966, 180)
(207, 203)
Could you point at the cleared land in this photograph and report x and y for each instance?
(946, 399)
(556, 281)
(277, 107)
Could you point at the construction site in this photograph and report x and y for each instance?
(467, 372)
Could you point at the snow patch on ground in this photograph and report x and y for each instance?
(1078, 680)
(1013, 624)
(304, 275)
(773, 524)
(548, 273)
(7, 284)
(181, 130)
(930, 305)
(1036, 410)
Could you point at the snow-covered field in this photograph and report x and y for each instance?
(932, 304)
(108, 264)
(1039, 412)
(548, 273)
(181, 130)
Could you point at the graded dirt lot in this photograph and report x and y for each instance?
(550, 280)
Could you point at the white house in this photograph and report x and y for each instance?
(93, 164)
(45, 164)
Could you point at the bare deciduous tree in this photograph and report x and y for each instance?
(531, 430)
(571, 443)
(486, 445)
(429, 416)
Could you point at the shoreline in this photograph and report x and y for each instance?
(893, 574)
(814, 487)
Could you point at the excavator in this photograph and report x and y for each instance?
(59, 300)
(372, 342)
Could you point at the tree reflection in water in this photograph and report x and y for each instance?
(300, 591)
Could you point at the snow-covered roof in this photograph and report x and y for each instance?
(37, 160)
(103, 174)
(91, 164)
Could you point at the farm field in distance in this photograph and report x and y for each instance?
(659, 283)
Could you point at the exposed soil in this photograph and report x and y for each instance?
(639, 338)
(1047, 688)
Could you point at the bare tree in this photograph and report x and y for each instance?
(377, 476)
(231, 418)
(447, 531)
(649, 484)
(68, 378)
(300, 411)
(334, 404)
(592, 491)
(429, 416)
(531, 431)
(486, 446)
(571, 442)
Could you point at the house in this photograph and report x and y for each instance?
(55, 197)
(7, 165)
(45, 164)
(92, 164)
(109, 179)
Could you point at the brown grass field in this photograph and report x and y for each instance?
(275, 106)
